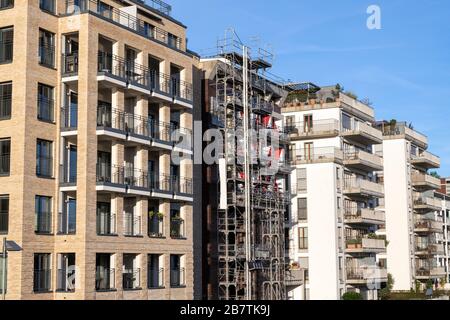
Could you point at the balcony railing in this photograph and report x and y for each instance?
(70, 64)
(106, 224)
(423, 248)
(366, 273)
(69, 118)
(104, 278)
(361, 186)
(136, 178)
(315, 155)
(44, 166)
(132, 225)
(5, 163)
(123, 19)
(5, 107)
(363, 132)
(426, 159)
(65, 280)
(295, 277)
(366, 244)
(425, 180)
(430, 271)
(403, 129)
(428, 225)
(326, 127)
(356, 214)
(42, 280)
(177, 278)
(155, 278)
(131, 279)
(46, 109)
(43, 223)
(110, 174)
(360, 157)
(177, 228)
(428, 203)
(67, 223)
(67, 176)
(6, 4)
(182, 185)
(155, 227)
(47, 56)
(6, 51)
(158, 5)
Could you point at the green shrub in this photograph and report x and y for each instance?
(352, 296)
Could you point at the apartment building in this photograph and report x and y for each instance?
(95, 98)
(445, 186)
(443, 260)
(335, 210)
(244, 203)
(414, 222)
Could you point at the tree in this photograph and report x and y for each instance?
(385, 293)
(435, 174)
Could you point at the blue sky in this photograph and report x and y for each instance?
(404, 69)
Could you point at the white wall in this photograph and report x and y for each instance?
(398, 216)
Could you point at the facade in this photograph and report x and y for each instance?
(335, 209)
(443, 239)
(414, 227)
(92, 96)
(244, 203)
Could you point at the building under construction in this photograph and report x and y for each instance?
(245, 196)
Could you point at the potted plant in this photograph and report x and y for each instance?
(158, 215)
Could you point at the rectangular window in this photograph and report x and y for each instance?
(155, 272)
(43, 211)
(42, 272)
(302, 209)
(106, 221)
(6, 4)
(177, 278)
(45, 103)
(67, 221)
(346, 122)
(46, 48)
(5, 157)
(44, 158)
(4, 214)
(301, 180)
(303, 238)
(5, 100)
(105, 10)
(149, 30)
(174, 41)
(6, 44)
(47, 5)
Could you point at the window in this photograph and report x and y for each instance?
(155, 272)
(42, 272)
(155, 223)
(5, 100)
(46, 48)
(43, 214)
(131, 275)
(68, 218)
(149, 30)
(303, 238)
(308, 123)
(6, 4)
(47, 5)
(104, 272)
(6, 45)
(174, 41)
(105, 10)
(176, 225)
(5, 156)
(301, 180)
(177, 278)
(339, 201)
(45, 103)
(66, 272)
(4, 214)
(302, 208)
(346, 122)
(290, 123)
(44, 158)
(106, 221)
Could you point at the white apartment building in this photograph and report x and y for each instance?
(444, 238)
(414, 222)
(335, 214)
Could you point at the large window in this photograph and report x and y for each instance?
(5, 156)
(6, 4)
(6, 45)
(302, 209)
(44, 158)
(177, 278)
(47, 5)
(45, 103)
(301, 180)
(155, 276)
(4, 214)
(5, 100)
(303, 238)
(174, 41)
(43, 214)
(42, 272)
(46, 48)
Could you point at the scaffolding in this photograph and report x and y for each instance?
(251, 231)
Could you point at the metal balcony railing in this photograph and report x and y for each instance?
(177, 277)
(316, 127)
(125, 20)
(42, 280)
(104, 278)
(65, 280)
(67, 223)
(155, 278)
(155, 227)
(44, 166)
(182, 185)
(136, 178)
(69, 117)
(299, 156)
(70, 64)
(6, 51)
(46, 109)
(5, 163)
(67, 176)
(5, 107)
(47, 55)
(355, 213)
(131, 279)
(43, 223)
(177, 228)
(110, 174)
(131, 225)
(106, 224)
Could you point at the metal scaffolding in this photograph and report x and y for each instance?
(251, 231)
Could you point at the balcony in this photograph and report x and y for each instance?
(295, 277)
(425, 273)
(317, 129)
(363, 160)
(126, 20)
(69, 65)
(156, 225)
(365, 275)
(428, 226)
(428, 249)
(365, 245)
(363, 188)
(403, 130)
(361, 132)
(316, 155)
(177, 228)
(426, 204)
(426, 160)
(364, 216)
(425, 181)
(106, 224)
